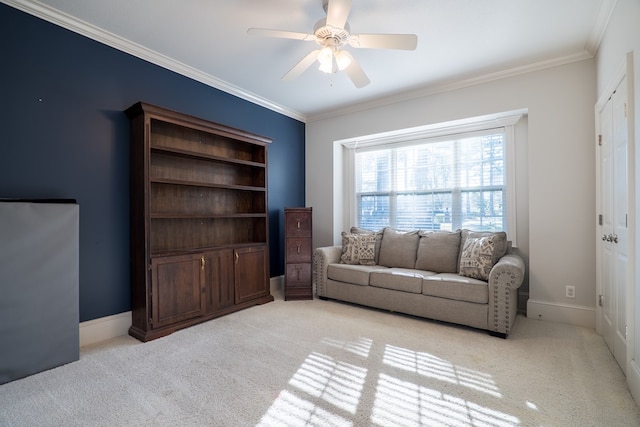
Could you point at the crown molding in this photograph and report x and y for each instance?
(600, 26)
(81, 27)
(450, 86)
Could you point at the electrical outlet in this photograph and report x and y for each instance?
(570, 291)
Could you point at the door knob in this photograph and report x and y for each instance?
(610, 237)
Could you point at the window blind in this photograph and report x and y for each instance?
(443, 183)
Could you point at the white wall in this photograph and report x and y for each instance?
(556, 214)
(622, 36)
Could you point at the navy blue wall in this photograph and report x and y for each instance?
(63, 134)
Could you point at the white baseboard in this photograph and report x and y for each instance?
(562, 313)
(104, 328)
(633, 380)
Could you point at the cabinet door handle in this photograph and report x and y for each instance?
(237, 256)
(202, 262)
(298, 248)
(298, 224)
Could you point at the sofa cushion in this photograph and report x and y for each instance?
(453, 286)
(358, 249)
(398, 249)
(477, 257)
(438, 251)
(500, 241)
(356, 274)
(399, 279)
(378, 234)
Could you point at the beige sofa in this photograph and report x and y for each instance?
(460, 277)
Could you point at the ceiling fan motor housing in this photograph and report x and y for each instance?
(327, 35)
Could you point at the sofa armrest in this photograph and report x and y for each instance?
(505, 278)
(322, 257)
(508, 271)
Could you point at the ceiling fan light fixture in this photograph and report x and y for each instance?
(342, 60)
(325, 58)
(326, 68)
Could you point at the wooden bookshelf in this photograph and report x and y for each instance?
(199, 220)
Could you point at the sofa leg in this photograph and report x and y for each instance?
(498, 334)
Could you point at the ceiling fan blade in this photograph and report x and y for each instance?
(265, 32)
(301, 66)
(337, 12)
(384, 41)
(354, 71)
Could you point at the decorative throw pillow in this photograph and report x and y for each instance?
(438, 251)
(398, 249)
(378, 234)
(501, 244)
(358, 248)
(477, 257)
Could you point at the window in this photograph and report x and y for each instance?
(445, 179)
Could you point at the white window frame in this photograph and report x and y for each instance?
(440, 131)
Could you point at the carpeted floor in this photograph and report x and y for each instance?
(323, 363)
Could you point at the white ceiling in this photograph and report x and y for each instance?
(459, 42)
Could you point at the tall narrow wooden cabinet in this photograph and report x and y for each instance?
(199, 231)
(297, 279)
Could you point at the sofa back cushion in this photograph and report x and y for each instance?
(398, 249)
(438, 251)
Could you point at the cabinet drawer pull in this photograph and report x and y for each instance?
(298, 247)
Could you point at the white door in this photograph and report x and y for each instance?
(614, 246)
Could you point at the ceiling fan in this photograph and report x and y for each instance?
(332, 33)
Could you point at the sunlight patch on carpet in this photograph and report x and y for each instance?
(404, 403)
(428, 365)
(361, 346)
(335, 382)
(291, 410)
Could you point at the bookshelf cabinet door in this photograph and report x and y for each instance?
(250, 273)
(177, 289)
(219, 280)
